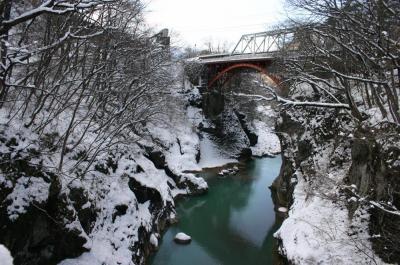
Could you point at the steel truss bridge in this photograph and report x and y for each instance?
(254, 51)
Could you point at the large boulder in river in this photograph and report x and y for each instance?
(182, 238)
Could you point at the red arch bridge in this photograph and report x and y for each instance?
(256, 51)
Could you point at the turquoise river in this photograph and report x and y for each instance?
(233, 224)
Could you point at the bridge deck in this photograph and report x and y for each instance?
(236, 58)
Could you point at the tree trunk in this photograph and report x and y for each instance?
(379, 102)
(6, 11)
(353, 107)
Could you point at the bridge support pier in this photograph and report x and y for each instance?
(203, 81)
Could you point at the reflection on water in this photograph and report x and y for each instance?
(232, 224)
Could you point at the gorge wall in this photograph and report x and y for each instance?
(333, 172)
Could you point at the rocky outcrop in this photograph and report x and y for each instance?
(369, 158)
(253, 138)
(375, 170)
(41, 235)
(35, 221)
(228, 127)
(283, 185)
(213, 104)
(157, 157)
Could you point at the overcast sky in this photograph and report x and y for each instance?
(199, 21)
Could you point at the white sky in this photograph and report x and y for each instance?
(199, 21)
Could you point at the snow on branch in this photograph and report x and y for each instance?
(58, 7)
(386, 207)
(275, 96)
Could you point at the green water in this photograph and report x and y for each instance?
(232, 224)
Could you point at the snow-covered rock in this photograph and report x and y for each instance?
(26, 191)
(5, 256)
(154, 241)
(268, 142)
(229, 171)
(282, 209)
(182, 238)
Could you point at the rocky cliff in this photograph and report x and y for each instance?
(340, 180)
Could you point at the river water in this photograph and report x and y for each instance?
(232, 224)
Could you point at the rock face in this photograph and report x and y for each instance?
(182, 238)
(238, 123)
(253, 138)
(229, 127)
(375, 172)
(213, 104)
(364, 158)
(36, 231)
(35, 214)
(283, 185)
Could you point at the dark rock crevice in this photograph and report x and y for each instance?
(144, 194)
(253, 138)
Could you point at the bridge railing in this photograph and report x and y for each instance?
(266, 42)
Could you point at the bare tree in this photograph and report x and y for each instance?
(88, 68)
(346, 49)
